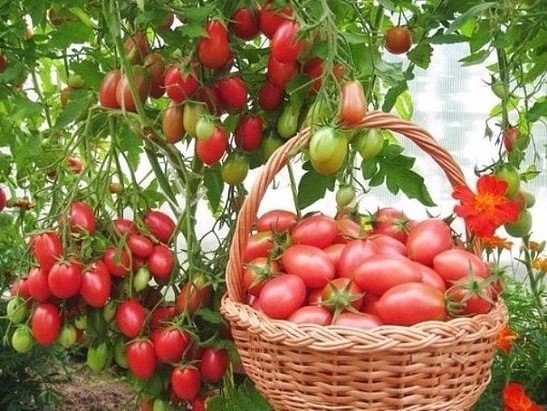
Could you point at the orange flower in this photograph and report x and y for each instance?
(505, 339)
(485, 211)
(540, 264)
(496, 242)
(515, 399)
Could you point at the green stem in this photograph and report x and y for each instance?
(504, 77)
(294, 189)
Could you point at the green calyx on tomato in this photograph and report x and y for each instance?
(235, 168)
(328, 149)
(511, 176)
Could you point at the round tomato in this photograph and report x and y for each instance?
(285, 45)
(193, 294)
(317, 230)
(270, 96)
(271, 18)
(362, 321)
(210, 151)
(160, 225)
(185, 382)
(311, 314)
(95, 284)
(269, 145)
(155, 64)
(47, 248)
(64, 279)
(464, 301)
(170, 343)
(431, 277)
(45, 323)
(257, 272)
(142, 83)
(245, 24)
(398, 40)
(17, 310)
(172, 122)
(279, 74)
(81, 217)
(258, 245)
(140, 245)
(248, 133)
(118, 261)
(136, 47)
(213, 364)
(141, 358)
(22, 340)
(282, 296)
(380, 272)
(235, 168)
(107, 89)
(454, 264)
(328, 150)
(161, 263)
(353, 105)
(309, 263)
(287, 122)
(276, 220)
(411, 303)
(521, 227)
(130, 317)
(191, 115)
(214, 47)
(180, 85)
(511, 176)
(427, 239)
(233, 93)
(341, 293)
(37, 284)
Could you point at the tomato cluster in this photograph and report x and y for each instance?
(340, 271)
(100, 285)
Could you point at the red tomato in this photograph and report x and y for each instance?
(392, 222)
(387, 245)
(155, 65)
(170, 343)
(124, 227)
(398, 40)
(248, 133)
(464, 301)
(258, 245)
(213, 364)
(276, 220)
(193, 295)
(214, 47)
(411, 303)
(311, 314)
(353, 254)
(45, 323)
(233, 93)
(257, 272)
(47, 248)
(431, 277)
(180, 85)
(270, 19)
(270, 96)
(95, 284)
(353, 106)
(140, 245)
(141, 358)
(186, 382)
(160, 225)
(142, 83)
(161, 263)
(317, 230)
(282, 296)
(314, 68)
(37, 284)
(210, 151)
(510, 135)
(370, 304)
(334, 251)
(130, 317)
(379, 273)
(285, 45)
(64, 279)
(362, 321)
(107, 89)
(2, 199)
(20, 288)
(427, 239)
(136, 47)
(162, 315)
(75, 164)
(340, 293)
(118, 261)
(245, 24)
(198, 404)
(81, 217)
(309, 263)
(455, 264)
(211, 97)
(280, 74)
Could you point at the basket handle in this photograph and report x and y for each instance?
(280, 158)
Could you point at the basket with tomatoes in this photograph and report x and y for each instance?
(328, 312)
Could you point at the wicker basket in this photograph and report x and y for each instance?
(429, 366)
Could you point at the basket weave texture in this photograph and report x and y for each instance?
(432, 365)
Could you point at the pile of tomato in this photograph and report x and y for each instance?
(363, 272)
(108, 298)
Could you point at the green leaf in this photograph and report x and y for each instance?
(538, 110)
(312, 187)
(242, 398)
(24, 109)
(68, 34)
(392, 95)
(472, 12)
(76, 106)
(421, 55)
(211, 316)
(446, 39)
(192, 30)
(404, 106)
(369, 168)
(475, 58)
(212, 180)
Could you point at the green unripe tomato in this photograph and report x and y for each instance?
(344, 195)
(205, 127)
(97, 356)
(119, 354)
(141, 279)
(498, 88)
(287, 123)
(109, 311)
(68, 336)
(22, 340)
(17, 310)
(328, 150)
(521, 227)
(80, 322)
(511, 176)
(530, 199)
(160, 405)
(369, 143)
(235, 168)
(268, 146)
(191, 114)
(75, 81)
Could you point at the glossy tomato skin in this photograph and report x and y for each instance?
(249, 132)
(469, 302)
(140, 245)
(379, 273)
(328, 149)
(348, 230)
(118, 261)
(37, 284)
(279, 74)
(186, 382)
(193, 295)
(141, 358)
(64, 279)
(385, 244)
(171, 122)
(270, 18)
(233, 93)
(258, 245)
(276, 220)
(282, 296)
(82, 218)
(155, 64)
(427, 239)
(170, 343)
(311, 314)
(454, 264)
(309, 263)
(47, 248)
(257, 272)
(45, 323)
(180, 85)
(317, 230)
(214, 49)
(142, 84)
(334, 251)
(270, 96)
(162, 315)
(211, 97)
(161, 263)
(95, 284)
(431, 277)
(210, 151)
(392, 222)
(353, 106)
(245, 23)
(235, 168)
(370, 304)
(362, 321)
(130, 317)
(107, 89)
(341, 293)
(160, 225)
(136, 47)
(124, 226)
(20, 288)
(398, 40)
(426, 303)
(285, 46)
(353, 254)
(213, 364)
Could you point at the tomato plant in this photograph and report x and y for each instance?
(45, 323)
(130, 317)
(398, 39)
(141, 358)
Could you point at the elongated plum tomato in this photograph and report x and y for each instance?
(81, 217)
(180, 85)
(245, 24)
(362, 321)
(155, 64)
(311, 314)
(141, 358)
(160, 225)
(213, 364)
(95, 284)
(249, 131)
(280, 73)
(130, 317)
(64, 279)
(214, 48)
(118, 261)
(142, 83)
(140, 245)
(353, 254)
(353, 106)
(309, 263)
(270, 96)
(276, 220)
(317, 230)
(233, 92)
(392, 222)
(45, 323)
(136, 47)
(37, 284)
(271, 18)
(282, 296)
(161, 262)
(185, 382)
(328, 149)
(47, 248)
(398, 40)
(455, 264)
(258, 245)
(210, 151)
(285, 45)
(170, 343)
(431, 277)
(124, 227)
(411, 303)
(427, 239)
(107, 89)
